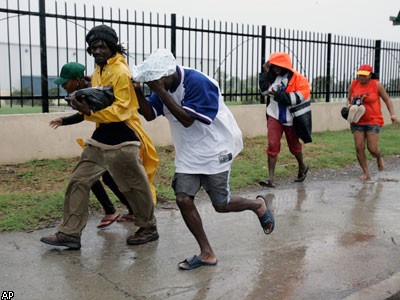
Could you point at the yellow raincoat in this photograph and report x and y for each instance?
(116, 73)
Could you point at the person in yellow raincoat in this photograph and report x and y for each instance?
(118, 145)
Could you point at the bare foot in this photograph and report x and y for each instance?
(365, 177)
(262, 209)
(125, 218)
(108, 220)
(381, 163)
(266, 219)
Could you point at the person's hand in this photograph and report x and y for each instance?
(136, 85)
(55, 123)
(271, 91)
(156, 86)
(274, 89)
(395, 120)
(267, 67)
(81, 106)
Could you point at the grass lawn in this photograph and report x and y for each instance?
(31, 194)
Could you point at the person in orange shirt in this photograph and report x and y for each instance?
(366, 129)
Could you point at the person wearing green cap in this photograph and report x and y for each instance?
(70, 71)
(72, 78)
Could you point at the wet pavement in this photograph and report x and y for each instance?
(333, 240)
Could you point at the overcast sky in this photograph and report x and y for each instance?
(359, 18)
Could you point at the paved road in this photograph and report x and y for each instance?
(333, 240)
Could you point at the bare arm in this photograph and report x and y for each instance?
(145, 108)
(349, 96)
(389, 104)
(180, 114)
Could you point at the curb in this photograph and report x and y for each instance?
(388, 289)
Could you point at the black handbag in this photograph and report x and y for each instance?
(302, 121)
(97, 98)
(344, 112)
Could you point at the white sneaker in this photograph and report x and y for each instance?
(352, 112)
(359, 113)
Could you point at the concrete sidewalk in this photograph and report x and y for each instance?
(333, 240)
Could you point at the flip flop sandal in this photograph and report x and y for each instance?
(267, 220)
(266, 184)
(194, 263)
(107, 221)
(125, 218)
(301, 176)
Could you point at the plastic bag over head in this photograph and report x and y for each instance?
(160, 63)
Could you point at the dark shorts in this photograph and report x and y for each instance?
(365, 128)
(216, 185)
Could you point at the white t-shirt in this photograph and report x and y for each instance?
(209, 145)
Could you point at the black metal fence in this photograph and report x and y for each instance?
(38, 37)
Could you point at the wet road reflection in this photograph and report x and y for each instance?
(360, 225)
(331, 240)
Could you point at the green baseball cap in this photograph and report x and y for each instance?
(71, 70)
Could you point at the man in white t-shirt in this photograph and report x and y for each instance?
(206, 138)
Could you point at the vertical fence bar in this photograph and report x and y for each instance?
(84, 35)
(165, 32)
(257, 60)
(328, 69)
(143, 35)
(157, 31)
(195, 43)
(252, 60)
(237, 61)
(183, 42)
(231, 82)
(128, 45)
(377, 58)
(173, 34)
(43, 56)
(30, 52)
(201, 45)
(20, 57)
(66, 30)
(219, 55)
(208, 48)
(263, 54)
(57, 47)
(9, 56)
(214, 43)
(76, 34)
(227, 53)
(242, 66)
(136, 38)
(189, 42)
(151, 33)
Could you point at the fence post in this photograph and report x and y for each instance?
(173, 34)
(328, 69)
(43, 57)
(377, 63)
(263, 53)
